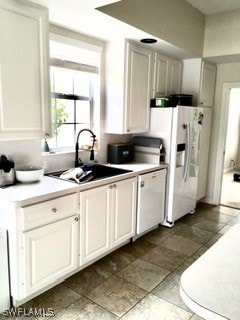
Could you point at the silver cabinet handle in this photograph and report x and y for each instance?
(54, 210)
(112, 186)
(76, 219)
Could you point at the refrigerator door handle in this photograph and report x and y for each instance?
(187, 152)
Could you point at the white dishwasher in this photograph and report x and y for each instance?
(151, 200)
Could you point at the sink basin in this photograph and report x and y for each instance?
(92, 172)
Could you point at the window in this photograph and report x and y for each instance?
(75, 83)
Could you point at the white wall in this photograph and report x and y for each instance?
(23, 151)
(228, 72)
(222, 34)
(233, 133)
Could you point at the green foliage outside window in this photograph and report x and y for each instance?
(59, 114)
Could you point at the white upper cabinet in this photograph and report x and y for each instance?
(175, 76)
(161, 71)
(138, 88)
(128, 87)
(167, 75)
(24, 77)
(199, 80)
(207, 84)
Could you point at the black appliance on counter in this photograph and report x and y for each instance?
(7, 173)
(120, 153)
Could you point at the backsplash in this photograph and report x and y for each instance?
(23, 151)
(29, 152)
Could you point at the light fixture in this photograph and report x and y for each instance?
(148, 40)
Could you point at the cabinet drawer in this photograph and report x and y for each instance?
(49, 211)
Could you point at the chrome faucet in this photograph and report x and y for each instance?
(78, 161)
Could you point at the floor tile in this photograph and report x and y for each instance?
(216, 216)
(156, 238)
(175, 228)
(153, 308)
(182, 245)
(209, 225)
(115, 261)
(138, 247)
(168, 290)
(13, 315)
(195, 317)
(226, 210)
(235, 220)
(191, 219)
(87, 279)
(225, 229)
(143, 274)
(116, 295)
(165, 258)
(195, 234)
(205, 206)
(56, 298)
(84, 309)
(213, 240)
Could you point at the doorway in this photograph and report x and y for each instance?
(230, 189)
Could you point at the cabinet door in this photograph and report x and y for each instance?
(175, 77)
(161, 69)
(24, 78)
(124, 211)
(49, 253)
(95, 224)
(138, 88)
(207, 85)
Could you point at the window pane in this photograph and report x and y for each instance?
(83, 113)
(66, 136)
(81, 83)
(62, 112)
(63, 81)
(69, 116)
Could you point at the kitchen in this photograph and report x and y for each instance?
(35, 145)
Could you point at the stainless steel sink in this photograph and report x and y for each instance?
(92, 172)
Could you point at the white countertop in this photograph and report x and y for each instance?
(24, 193)
(211, 285)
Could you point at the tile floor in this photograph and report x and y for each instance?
(141, 279)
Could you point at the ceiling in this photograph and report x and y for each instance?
(81, 16)
(215, 6)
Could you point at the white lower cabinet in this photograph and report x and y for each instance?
(49, 252)
(46, 238)
(49, 237)
(108, 217)
(95, 216)
(123, 211)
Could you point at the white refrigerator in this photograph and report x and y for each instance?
(180, 128)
